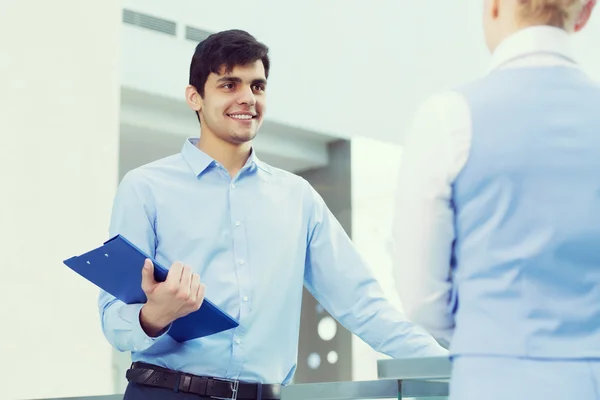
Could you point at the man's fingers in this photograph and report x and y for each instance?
(148, 281)
(186, 280)
(195, 281)
(174, 275)
(200, 295)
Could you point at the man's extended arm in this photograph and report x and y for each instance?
(342, 283)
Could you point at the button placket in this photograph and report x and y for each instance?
(240, 259)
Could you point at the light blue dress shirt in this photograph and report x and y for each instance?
(255, 240)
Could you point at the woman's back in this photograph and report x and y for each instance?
(527, 205)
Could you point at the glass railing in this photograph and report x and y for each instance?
(107, 397)
(418, 378)
(422, 378)
(367, 390)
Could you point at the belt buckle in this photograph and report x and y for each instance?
(234, 389)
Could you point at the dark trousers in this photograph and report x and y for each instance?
(141, 392)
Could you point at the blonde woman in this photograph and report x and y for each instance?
(497, 229)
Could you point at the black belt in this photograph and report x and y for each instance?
(215, 388)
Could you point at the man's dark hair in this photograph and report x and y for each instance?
(229, 48)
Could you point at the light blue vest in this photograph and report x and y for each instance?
(527, 217)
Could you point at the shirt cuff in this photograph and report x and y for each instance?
(442, 336)
(140, 340)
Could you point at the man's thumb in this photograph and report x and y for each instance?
(148, 275)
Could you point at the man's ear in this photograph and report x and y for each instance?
(193, 98)
(584, 16)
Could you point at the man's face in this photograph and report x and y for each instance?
(234, 103)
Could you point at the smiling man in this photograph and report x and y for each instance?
(246, 235)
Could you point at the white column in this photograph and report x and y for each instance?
(375, 167)
(59, 105)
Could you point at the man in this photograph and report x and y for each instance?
(247, 236)
(498, 213)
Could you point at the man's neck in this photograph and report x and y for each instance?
(231, 156)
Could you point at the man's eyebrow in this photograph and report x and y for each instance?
(229, 79)
(239, 80)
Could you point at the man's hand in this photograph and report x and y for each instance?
(180, 294)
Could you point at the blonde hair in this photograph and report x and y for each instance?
(558, 13)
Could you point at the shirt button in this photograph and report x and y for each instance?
(238, 341)
(242, 262)
(245, 298)
(135, 349)
(233, 185)
(237, 223)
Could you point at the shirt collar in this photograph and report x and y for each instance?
(200, 161)
(196, 158)
(254, 159)
(534, 40)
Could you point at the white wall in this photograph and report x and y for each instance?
(58, 165)
(586, 46)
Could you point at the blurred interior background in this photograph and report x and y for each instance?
(90, 90)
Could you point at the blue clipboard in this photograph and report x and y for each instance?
(116, 267)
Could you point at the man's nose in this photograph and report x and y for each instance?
(247, 97)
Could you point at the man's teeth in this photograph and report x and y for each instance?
(241, 116)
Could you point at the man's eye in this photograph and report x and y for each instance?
(259, 88)
(228, 86)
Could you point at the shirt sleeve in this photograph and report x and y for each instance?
(435, 152)
(342, 283)
(133, 216)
